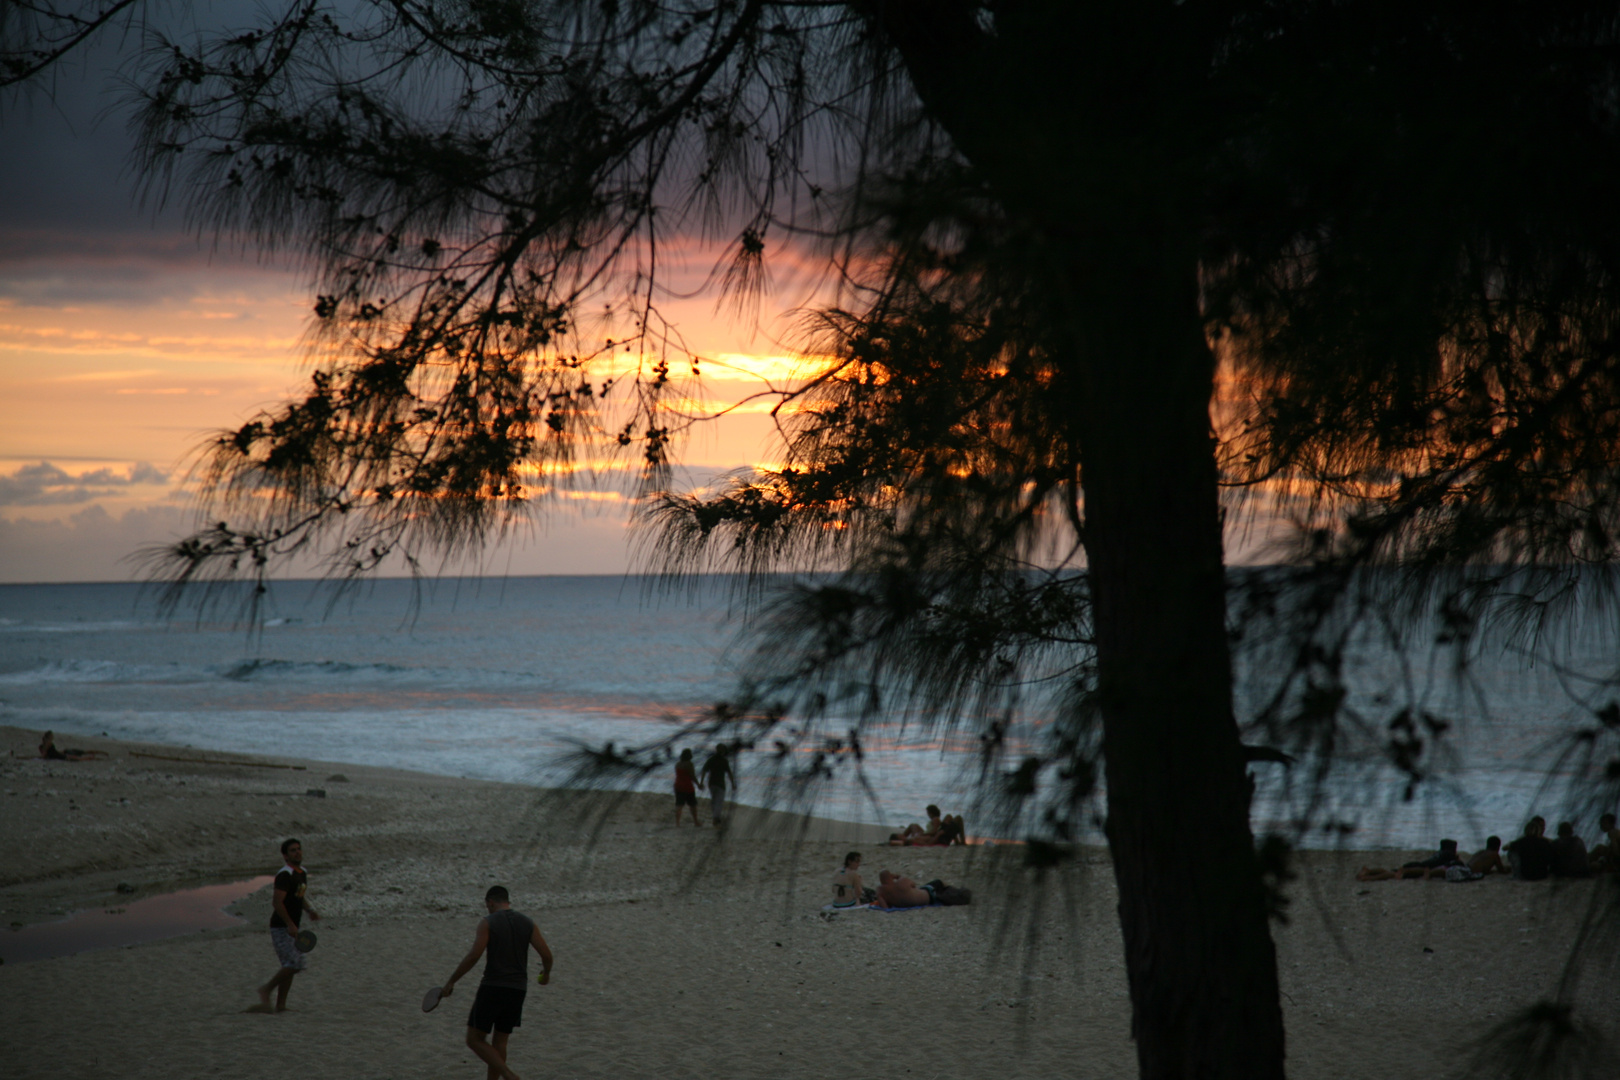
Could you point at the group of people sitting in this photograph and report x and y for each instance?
(893, 891)
(1532, 857)
(939, 832)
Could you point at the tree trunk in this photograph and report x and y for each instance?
(1198, 949)
(1077, 118)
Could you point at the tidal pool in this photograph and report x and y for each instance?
(155, 917)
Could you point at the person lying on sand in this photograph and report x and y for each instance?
(895, 891)
(915, 834)
(1490, 860)
(1399, 873)
(1434, 866)
(48, 751)
(1377, 873)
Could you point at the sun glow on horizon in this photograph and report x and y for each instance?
(115, 374)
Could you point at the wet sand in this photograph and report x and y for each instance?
(677, 955)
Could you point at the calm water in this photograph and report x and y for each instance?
(150, 919)
(493, 678)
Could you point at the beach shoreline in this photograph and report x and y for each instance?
(662, 935)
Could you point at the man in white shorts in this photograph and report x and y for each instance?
(287, 906)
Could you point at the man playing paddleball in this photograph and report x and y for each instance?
(287, 906)
(506, 935)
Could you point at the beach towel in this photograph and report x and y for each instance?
(892, 910)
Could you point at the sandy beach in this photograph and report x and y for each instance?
(679, 953)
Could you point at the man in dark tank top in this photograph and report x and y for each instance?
(504, 938)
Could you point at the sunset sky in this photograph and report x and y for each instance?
(125, 340)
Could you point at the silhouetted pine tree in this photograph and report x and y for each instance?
(1102, 263)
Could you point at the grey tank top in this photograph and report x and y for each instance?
(506, 961)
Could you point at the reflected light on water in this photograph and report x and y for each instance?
(151, 919)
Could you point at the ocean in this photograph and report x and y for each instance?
(497, 678)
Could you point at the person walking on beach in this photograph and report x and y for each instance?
(506, 936)
(717, 775)
(287, 906)
(686, 787)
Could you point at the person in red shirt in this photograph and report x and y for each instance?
(686, 787)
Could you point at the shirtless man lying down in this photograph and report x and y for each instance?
(896, 891)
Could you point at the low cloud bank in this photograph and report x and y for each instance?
(46, 484)
(95, 545)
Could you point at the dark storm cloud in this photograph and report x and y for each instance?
(54, 268)
(66, 166)
(68, 193)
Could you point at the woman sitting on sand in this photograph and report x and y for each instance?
(48, 751)
(951, 831)
(847, 886)
(917, 835)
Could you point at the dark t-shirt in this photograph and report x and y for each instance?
(293, 883)
(1569, 857)
(1532, 857)
(506, 960)
(717, 772)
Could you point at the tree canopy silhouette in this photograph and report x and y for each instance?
(1112, 278)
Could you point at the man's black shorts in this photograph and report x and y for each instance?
(497, 1007)
(686, 798)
